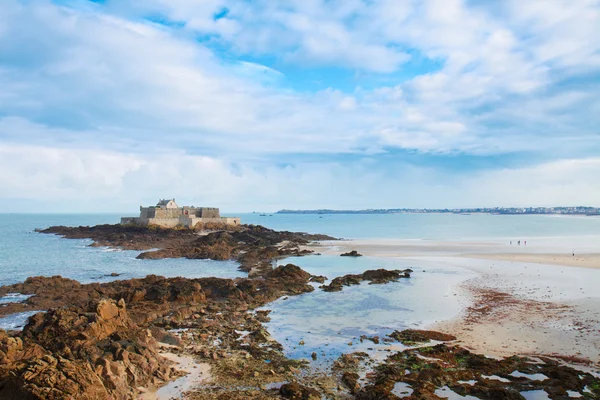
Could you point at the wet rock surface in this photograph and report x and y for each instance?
(352, 253)
(253, 246)
(295, 391)
(428, 369)
(96, 352)
(376, 276)
(411, 337)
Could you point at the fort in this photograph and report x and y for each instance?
(168, 214)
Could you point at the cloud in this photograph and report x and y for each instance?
(76, 180)
(214, 86)
(558, 182)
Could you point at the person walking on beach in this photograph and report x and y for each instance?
(519, 242)
(525, 242)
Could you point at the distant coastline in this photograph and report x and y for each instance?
(578, 210)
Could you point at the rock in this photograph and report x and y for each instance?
(165, 337)
(427, 368)
(377, 276)
(289, 271)
(318, 278)
(252, 245)
(295, 391)
(107, 309)
(350, 380)
(352, 253)
(93, 353)
(413, 336)
(263, 315)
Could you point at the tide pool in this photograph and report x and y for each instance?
(327, 322)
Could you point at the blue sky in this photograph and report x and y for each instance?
(267, 104)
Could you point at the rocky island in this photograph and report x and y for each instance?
(126, 339)
(253, 246)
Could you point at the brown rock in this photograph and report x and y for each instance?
(377, 276)
(352, 253)
(411, 336)
(350, 380)
(107, 309)
(295, 391)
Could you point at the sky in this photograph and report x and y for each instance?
(258, 105)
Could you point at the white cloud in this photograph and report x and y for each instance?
(99, 85)
(91, 180)
(561, 182)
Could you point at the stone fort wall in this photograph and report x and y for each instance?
(191, 212)
(178, 216)
(179, 221)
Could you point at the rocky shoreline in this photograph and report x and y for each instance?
(253, 246)
(101, 341)
(113, 340)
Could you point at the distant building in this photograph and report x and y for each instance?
(168, 214)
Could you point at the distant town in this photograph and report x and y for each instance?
(579, 210)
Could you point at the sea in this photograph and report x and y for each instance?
(326, 323)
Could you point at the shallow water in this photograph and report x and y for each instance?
(402, 389)
(16, 321)
(197, 374)
(446, 393)
(14, 298)
(535, 395)
(533, 377)
(327, 322)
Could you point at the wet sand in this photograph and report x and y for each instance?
(196, 374)
(578, 260)
(536, 300)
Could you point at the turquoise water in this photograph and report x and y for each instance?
(431, 226)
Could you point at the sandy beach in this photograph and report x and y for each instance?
(589, 260)
(584, 255)
(536, 300)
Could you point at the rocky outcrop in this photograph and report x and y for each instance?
(95, 353)
(413, 336)
(107, 347)
(154, 296)
(99, 341)
(377, 276)
(57, 292)
(352, 253)
(254, 246)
